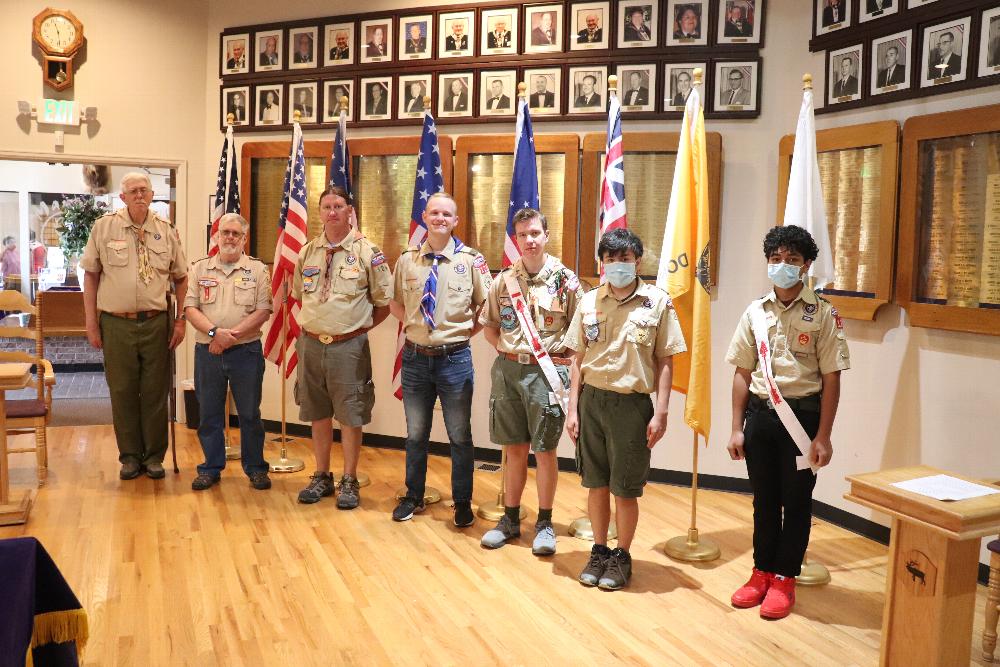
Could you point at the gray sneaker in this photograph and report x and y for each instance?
(594, 570)
(545, 539)
(617, 572)
(320, 486)
(505, 530)
(348, 493)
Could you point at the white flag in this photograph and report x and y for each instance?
(804, 205)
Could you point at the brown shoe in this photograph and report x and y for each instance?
(130, 470)
(598, 562)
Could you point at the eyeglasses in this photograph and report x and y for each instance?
(230, 232)
(137, 191)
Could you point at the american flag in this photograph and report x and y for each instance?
(430, 179)
(292, 235)
(613, 181)
(227, 189)
(524, 183)
(340, 167)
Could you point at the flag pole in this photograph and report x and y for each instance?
(232, 453)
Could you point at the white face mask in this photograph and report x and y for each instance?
(783, 275)
(620, 274)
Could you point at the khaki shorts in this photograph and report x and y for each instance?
(335, 381)
(520, 406)
(611, 450)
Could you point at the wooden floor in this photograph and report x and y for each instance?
(233, 576)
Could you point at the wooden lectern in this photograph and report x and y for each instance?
(933, 566)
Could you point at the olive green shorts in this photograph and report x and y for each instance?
(335, 380)
(611, 450)
(522, 408)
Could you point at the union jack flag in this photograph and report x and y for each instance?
(227, 189)
(430, 179)
(613, 180)
(340, 167)
(292, 235)
(524, 184)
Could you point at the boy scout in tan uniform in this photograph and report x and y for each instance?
(807, 350)
(625, 333)
(439, 290)
(130, 260)
(227, 302)
(524, 409)
(344, 288)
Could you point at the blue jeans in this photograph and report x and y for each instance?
(424, 379)
(241, 368)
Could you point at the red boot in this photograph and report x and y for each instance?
(752, 593)
(780, 597)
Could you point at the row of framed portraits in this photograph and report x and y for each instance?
(832, 15)
(554, 27)
(916, 59)
(565, 90)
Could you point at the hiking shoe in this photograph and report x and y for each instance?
(618, 571)
(130, 470)
(406, 508)
(155, 471)
(752, 593)
(780, 598)
(320, 486)
(202, 482)
(348, 492)
(598, 562)
(463, 514)
(545, 539)
(260, 481)
(505, 530)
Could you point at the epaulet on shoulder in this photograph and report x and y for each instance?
(471, 251)
(822, 298)
(201, 259)
(412, 248)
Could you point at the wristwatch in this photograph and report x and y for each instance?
(211, 332)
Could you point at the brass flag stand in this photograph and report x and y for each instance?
(691, 548)
(285, 464)
(494, 511)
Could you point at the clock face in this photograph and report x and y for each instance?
(58, 32)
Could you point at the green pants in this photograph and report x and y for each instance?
(137, 366)
(611, 450)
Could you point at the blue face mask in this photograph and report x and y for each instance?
(783, 275)
(620, 274)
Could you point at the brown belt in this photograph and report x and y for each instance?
(529, 359)
(436, 350)
(327, 339)
(142, 315)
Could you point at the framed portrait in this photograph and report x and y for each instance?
(269, 49)
(339, 44)
(890, 62)
(588, 26)
(416, 37)
(376, 98)
(497, 92)
(455, 94)
(637, 23)
(377, 41)
(869, 10)
(498, 28)
(945, 56)
(332, 92)
(989, 43)
(413, 88)
(832, 15)
(678, 80)
(302, 98)
(844, 74)
(588, 89)
(687, 23)
(737, 84)
(302, 45)
(456, 34)
(544, 90)
(234, 58)
(740, 21)
(268, 110)
(637, 87)
(543, 28)
(236, 101)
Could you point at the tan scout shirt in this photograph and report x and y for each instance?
(226, 295)
(360, 281)
(806, 338)
(552, 295)
(463, 284)
(622, 341)
(112, 252)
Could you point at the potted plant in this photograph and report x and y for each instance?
(78, 217)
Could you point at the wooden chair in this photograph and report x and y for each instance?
(992, 602)
(29, 415)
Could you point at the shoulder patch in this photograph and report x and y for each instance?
(378, 259)
(480, 263)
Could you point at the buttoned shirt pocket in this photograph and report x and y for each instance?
(459, 294)
(117, 253)
(595, 328)
(245, 292)
(640, 328)
(347, 280)
(802, 338)
(159, 258)
(208, 290)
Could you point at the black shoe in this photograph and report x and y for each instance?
(260, 481)
(617, 572)
(406, 508)
(130, 470)
(202, 482)
(320, 485)
(596, 566)
(463, 514)
(155, 470)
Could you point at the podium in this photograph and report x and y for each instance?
(933, 562)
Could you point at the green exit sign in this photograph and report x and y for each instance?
(59, 112)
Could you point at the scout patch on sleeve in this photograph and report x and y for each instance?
(378, 259)
(836, 318)
(572, 283)
(480, 263)
(508, 318)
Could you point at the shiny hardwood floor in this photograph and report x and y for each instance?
(234, 576)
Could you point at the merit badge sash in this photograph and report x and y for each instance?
(788, 419)
(537, 349)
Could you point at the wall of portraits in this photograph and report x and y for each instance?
(461, 57)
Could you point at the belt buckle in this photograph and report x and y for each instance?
(326, 339)
(770, 404)
(524, 358)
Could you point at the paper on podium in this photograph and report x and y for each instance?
(945, 487)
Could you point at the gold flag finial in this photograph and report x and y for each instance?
(613, 83)
(522, 89)
(343, 103)
(427, 101)
(230, 118)
(699, 74)
(807, 81)
(297, 115)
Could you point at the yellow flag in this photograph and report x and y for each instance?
(684, 262)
